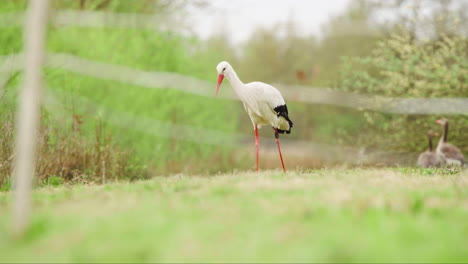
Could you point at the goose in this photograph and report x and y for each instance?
(431, 158)
(453, 154)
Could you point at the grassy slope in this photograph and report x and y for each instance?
(325, 215)
(152, 51)
(144, 50)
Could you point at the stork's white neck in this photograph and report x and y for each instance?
(236, 83)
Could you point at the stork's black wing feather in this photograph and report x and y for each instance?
(282, 110)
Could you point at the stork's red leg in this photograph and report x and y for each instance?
(257, 143)
(279, 148)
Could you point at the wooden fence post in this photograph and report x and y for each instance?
(28, 114)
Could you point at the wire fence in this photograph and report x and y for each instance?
(97, 19)
(304, 94)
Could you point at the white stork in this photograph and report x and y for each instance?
(262, 102)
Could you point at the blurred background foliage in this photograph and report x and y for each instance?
(410, 55)
(402, 66)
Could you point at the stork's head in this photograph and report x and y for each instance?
(223, 68)
(442, 121)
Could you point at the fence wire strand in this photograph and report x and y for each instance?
(310, 95)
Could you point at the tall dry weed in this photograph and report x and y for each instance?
(66, 153)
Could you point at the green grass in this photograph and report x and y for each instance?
(364, 215)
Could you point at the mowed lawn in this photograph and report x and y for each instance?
(361, 215)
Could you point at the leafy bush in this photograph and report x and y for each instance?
(401, 66)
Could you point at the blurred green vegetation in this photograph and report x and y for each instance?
(152, 51)
(401, 66)
(139, 49)
(281, 54)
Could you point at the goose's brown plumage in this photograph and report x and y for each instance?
(430, 158)
(451, 152)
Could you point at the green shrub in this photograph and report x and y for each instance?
(401, 66)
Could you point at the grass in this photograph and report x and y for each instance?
(359, 215)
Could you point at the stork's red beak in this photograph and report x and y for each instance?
(220, 80)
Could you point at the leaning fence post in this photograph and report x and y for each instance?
(29, 112)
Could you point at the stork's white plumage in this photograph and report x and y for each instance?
(263, 102)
